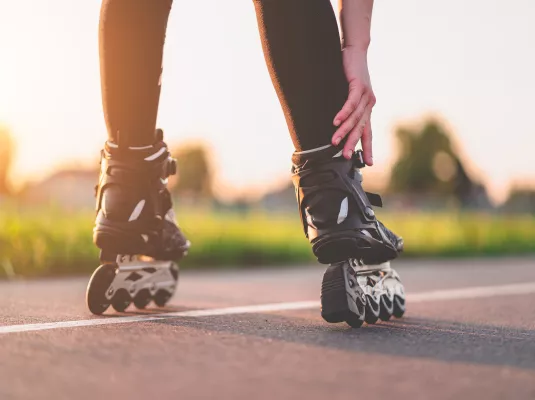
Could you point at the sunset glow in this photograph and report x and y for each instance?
(470, 62)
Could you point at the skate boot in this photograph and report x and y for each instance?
(337, 213)
(357, 293)
(135, 229)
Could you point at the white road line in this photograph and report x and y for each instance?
(155, 317)
(449, 294)
(473, 292)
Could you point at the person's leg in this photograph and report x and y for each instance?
(303, 52)
(301, 44)
(135, 214)
(131, 36)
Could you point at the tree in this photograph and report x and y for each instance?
(429, 165)
(195, 177)
(520, 200)
(6, 159)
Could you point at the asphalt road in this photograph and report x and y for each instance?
(469, 333)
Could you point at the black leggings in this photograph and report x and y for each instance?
(301, 45)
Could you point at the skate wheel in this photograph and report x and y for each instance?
(121, 300)
(387, 308)
(161, 298)
(142, 299)
(336, 304)
(175, 271)
(354, 321)
(98, 286)
(373, 308)
(356, 312)
(399, 306)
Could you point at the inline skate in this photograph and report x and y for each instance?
(337, 214)
(339, 221)
(135, 229)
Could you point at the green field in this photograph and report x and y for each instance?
(47, 242)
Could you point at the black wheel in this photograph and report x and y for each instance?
(387, 308)
(337, 303)
(121, 300)
(357, 311)
(373, 309)
(334, 299)
(162, 297)
(399, 306)
(354, 321)
(98, 286)
(142, 299)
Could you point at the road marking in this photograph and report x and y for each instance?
(437, 295)
(473, 292)
(156, 317)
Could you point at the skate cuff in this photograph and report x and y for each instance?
(323, 153)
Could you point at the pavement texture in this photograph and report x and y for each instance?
(467, 348)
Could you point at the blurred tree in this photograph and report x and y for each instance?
(520, 200)
(426, 161)
(428, 165)
(195, 177)
(6, 159)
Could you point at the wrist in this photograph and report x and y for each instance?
(357, 46)
(355, 52)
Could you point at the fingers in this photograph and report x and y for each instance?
(350, 105)
(366, 141)
(357, 132)
(352, 113)
(351, 121)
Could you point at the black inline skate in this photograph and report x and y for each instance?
(337, 213)
(359, 286)
(357, 293)
(135, 229)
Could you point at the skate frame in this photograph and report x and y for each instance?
(135, 273)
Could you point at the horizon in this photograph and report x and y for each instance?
(475, 78)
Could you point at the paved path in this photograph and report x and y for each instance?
(469, 332)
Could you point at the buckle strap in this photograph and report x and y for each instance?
(358, 159)
(374, 199)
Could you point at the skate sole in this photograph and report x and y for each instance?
(117, 242)
(345, 245)
(337, 305)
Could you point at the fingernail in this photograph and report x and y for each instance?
(336, 122)
(337, 141)
(349, 153)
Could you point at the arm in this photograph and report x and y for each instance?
(355, 19)
(353, 119)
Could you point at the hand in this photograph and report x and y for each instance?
(353, 120)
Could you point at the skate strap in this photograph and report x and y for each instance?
(374, 199)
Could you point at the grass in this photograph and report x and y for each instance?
(48, 242)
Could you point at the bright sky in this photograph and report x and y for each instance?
(472, 62)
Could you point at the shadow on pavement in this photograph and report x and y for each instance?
(408, 337)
